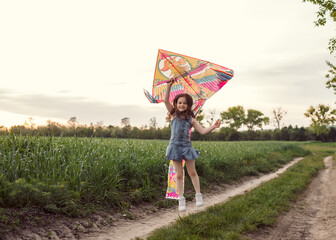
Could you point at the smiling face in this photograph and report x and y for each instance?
(182, 104)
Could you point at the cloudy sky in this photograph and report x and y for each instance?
(92, 59)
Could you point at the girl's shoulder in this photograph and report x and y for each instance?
(194, 122)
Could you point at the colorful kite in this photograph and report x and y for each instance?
(200, 79)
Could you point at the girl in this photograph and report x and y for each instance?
(182, 119)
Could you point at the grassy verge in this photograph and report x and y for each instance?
(245, 213)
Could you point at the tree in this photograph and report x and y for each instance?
(211, 117)
(30, 124)
(125, 122)
(100, 124)
(321, 117)
(332, 135)
(126, 127)
(278, 114)
(327, 7)
(3, 129)
(299, 134)
(255, 118)
(152, 122)
(234, 116)
(53, 128)
(331, 76)
(72, 122)
(200, 117)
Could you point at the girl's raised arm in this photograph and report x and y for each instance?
(203, 130)
(169, 106)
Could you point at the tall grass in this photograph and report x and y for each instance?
(60, 173)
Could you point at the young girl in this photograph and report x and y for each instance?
(182, 119)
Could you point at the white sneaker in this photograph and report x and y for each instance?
(199, 199)
(182, 204)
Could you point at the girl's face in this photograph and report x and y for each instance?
(182, 104)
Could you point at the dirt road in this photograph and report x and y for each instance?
(142, 227)
(313, 217)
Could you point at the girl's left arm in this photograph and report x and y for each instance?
(203, 130)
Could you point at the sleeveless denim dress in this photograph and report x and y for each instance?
(180, 145)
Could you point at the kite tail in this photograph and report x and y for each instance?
(150, 97)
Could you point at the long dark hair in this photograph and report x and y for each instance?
(185, 114)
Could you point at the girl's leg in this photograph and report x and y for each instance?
(195, 180)
(193, 174)
(179, 176)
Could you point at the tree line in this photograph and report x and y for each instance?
(234, 119)
(287, 133)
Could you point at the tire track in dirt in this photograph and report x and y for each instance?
(313, 217)
(144, 226)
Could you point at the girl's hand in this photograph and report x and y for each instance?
(170, 82)
(217, 124)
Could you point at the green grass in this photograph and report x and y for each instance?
(257, 208)
(65, 174)
(320, 147)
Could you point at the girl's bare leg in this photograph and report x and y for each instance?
(193, 174)
(179, 176)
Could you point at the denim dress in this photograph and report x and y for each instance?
(180, 145)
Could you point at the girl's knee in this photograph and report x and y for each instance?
(192, 173)
(179, 176)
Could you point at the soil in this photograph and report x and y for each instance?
(312, 217)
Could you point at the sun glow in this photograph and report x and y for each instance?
(8, 119)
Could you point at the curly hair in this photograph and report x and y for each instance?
(185, 114)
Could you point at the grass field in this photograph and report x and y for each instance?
(65, 174)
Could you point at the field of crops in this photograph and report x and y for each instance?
(62, 174)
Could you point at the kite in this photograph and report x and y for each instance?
(198, 78)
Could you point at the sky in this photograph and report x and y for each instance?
(92, 59)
